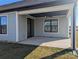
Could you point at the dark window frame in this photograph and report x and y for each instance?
(51, 26)
(3, 27)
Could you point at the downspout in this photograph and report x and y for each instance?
(73, 26)
(73, 29)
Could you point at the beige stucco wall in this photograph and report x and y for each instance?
(62, 27)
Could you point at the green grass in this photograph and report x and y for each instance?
(19, 51)
(50, 53)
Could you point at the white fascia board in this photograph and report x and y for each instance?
(47, 9)
(70, 11)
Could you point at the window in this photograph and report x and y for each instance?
(51, 25)
(3, 24)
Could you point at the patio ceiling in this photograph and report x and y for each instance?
(49, 14)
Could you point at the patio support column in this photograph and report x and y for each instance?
(17, 36)
(73, 22)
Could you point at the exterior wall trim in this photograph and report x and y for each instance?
(47, 9)
(17, 31)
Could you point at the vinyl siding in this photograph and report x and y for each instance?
(11, 27)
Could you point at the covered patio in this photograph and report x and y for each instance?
(36, 31)
(22, 26)
(48, 41)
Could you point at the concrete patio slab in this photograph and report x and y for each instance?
(48, 41)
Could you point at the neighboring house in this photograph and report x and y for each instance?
(25, 19)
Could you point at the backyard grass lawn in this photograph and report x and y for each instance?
(19, 51)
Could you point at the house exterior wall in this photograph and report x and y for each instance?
(11, 27)
(62, 27)
(39, 27)
(22, 31)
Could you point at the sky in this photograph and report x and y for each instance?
(4, 2)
